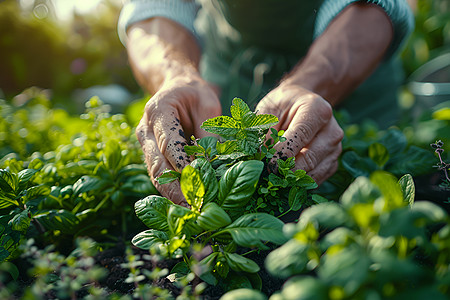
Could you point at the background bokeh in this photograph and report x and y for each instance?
(71, 49)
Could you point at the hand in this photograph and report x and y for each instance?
(313, 135)
(171, 116)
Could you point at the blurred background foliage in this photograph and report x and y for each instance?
(72, 49)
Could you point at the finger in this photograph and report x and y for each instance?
(170, 137)
(156, 164)
(304, 120)
(325, 144)
(325, 169)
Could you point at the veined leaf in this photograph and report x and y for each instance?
(168, 176)
(153, 211)
(21, 221)
(149, 238)
(193, 150)
(252, 229)
(227, 147)
(406, 183)
(25, 176)
(222, 125)
(9, 238)
(192, 187)
(36, 191)
(240, 263)
(177, 218)
(208, 178)
(239, 109)
(260, 122)
(238, 183)
(62, 220)
(209, 142)
(88, 183)
(6, 201)
(9, 182)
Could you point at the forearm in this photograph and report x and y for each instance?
(345, 54)
(159, 50)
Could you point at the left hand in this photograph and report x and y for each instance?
(313, 135)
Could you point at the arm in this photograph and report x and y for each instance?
(340, 59)
(164, 58)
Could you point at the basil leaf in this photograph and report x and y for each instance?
(153, 211)
(192, 187)
(239, 183)
(240, 263)
(208, 177)
(239, 109)
(149, 239)
(251, 229)
(62, 220)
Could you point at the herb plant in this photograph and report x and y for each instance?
(233, 200)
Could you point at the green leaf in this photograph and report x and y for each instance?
(260, 122)
(213, 217)
(360, 191)
(222, 125)
(153, 211)
(132, 170)
(112, 155)
(406, 183)
(61, 220)
(244, 294)
(327, 215)
(139, 186)
(177, 218)
(239, 109)
(208, 178)
(36, 191)
(379, 154)
(149, 239)
(305, 288)
(227, 147)
(297, 197)
(9, 238)
(240, 263)
(251, 229)
(249, 143)
(390, 189)
(356, 165)
(288, 260)
(192, 187)
(394, 141)
(238, 183)
(21, 221)
(88, 183)
(7, 201)
(205, 267)
(209, 142)
(168, 176)
(194, 150)
(25, 176)
(414, 161)
(9, 183)
(348, 267)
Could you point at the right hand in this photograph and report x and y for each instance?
(170, 117)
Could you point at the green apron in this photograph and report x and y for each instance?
(249, 45)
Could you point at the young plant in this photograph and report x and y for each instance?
(225, 186)
(442, 165)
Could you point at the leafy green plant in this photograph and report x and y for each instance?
(226, 192)
(59, 194)
(375, 243)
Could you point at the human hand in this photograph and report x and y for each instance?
(170, 117)
(312, 133)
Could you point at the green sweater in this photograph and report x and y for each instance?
(248, 45)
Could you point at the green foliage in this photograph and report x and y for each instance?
(70, 177)
(375, 241)
(222, 186)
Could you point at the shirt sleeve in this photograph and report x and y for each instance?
(180, 11)
(399, 12)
